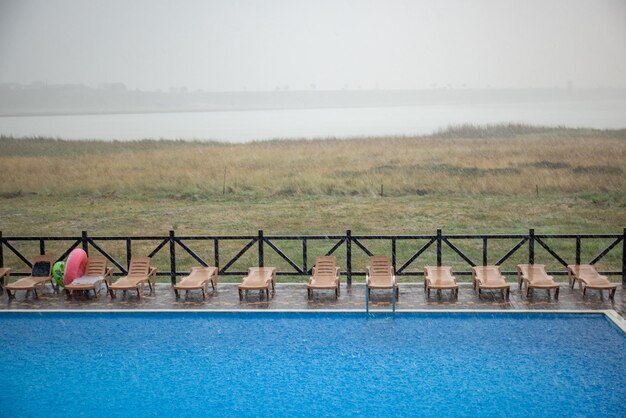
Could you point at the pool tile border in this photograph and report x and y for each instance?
(610, 314)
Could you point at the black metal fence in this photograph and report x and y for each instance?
(445, 244)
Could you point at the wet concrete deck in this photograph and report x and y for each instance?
(293, 296)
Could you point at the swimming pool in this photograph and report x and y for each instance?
(311, 364)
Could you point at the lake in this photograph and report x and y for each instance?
(249, 125)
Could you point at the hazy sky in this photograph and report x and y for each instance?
(259, 45)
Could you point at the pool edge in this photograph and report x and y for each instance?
(611, 314)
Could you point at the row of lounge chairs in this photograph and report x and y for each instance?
(529, 278)
(96, 273)
(325, 276)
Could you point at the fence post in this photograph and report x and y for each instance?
(129, 251)
(349, 256)
(261, 255)
(623, 257)
(438, 247)
(531, 246)
(172, 258)
(1, 251)
(42, 247)
(577, 249)
(304, 256)
(84, 242)
(393, 254)
(484, 251)
(216, 253)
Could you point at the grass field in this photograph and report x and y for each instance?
(495, 179)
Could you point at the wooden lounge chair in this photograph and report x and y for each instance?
(199, 278)
(5, 277)
(258, 278)
(139, 273)
(589, 278)
(40, 274)
(380, 275)
(490, 278)
(534, 276)
(325, 276)
(440, 278)
(95, 273)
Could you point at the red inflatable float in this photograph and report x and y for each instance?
(75, 266)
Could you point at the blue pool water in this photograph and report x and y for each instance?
(310, 364)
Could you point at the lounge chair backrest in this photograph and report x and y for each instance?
(96, 265)
(326, 266)
(536, 269)
(588, 268)
(264, 273)
(380, 266)
(438, 273)
(487, 271)
(139, 266)
(42, 264)
(202, 270)
(532, 269)
(436, 270)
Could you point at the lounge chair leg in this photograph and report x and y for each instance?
(584, 291)
(203, 294)
(10, 295)
(176, 293)
(138, 294)
(35, 292)
(112, 292)
(556, 293)
(612, 294)
(240, 296)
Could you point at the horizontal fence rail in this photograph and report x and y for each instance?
(348, 244)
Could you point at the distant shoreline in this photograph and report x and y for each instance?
(79, 100)
(501, 131)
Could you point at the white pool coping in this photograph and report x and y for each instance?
(610, 314)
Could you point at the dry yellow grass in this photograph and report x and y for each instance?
(404, 166)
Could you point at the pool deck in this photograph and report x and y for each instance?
(293, 296)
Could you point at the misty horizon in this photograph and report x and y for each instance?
(195, 69)
(278, 45)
